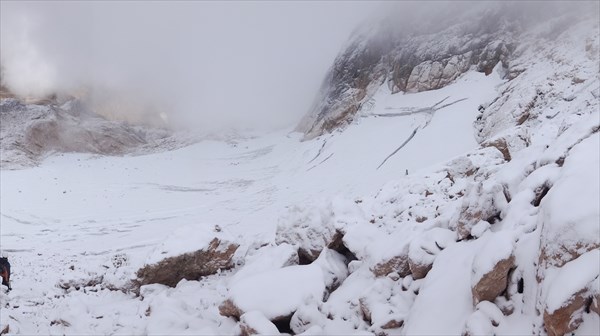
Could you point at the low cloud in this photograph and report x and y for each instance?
(202, 63)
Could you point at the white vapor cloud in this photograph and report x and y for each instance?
(202, 63)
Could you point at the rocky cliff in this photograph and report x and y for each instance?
(426, 50)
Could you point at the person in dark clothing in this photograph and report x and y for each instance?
(5, 272)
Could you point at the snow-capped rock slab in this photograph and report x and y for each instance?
(571, 289)
(255, 323)
(424, 248)
(189, 253)
(491, 267)
(277, 294)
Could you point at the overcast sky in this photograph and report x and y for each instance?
(203, 61)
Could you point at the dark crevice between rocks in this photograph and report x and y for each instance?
(540, 193)
(304, 258)
(337, 244)
(467, 238)
(283, 325)
(588, 304)
(494, 218)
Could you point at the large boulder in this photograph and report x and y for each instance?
(277, 294)
(255, 323)
(482, 201)
(574, 286)
(398, 264)
(425, 248)
(266, 258)
(189, 253)
(311, 230)
(569, 258)
(491, 267)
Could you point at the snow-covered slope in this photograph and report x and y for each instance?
(86, 211)
(469, 209)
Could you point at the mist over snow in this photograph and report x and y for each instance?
(202, 63)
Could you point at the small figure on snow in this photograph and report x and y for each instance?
(5, 271)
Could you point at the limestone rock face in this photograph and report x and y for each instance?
(191, 266)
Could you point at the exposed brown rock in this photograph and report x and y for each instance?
(501, 145)
(565, 319)
(493, 283)
(392, 324)
(559, 256)
(364, 309)
(311, 240)
(5, 331)
(595, 306)
(398, 264)
(478, 204)
(247, 330)
(419, 270)
(191, 266)
(229, 309)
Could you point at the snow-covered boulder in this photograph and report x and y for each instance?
(484, 319)
(267, 258)
(572, 288)
(278, 293)
(255, 323)
(396, 264)
(568, 234)
(188, 253)
(482, 201)
(424, 249)
(384, 305)
(491, 267)
(311, 230)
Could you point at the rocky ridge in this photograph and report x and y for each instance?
(410, 54)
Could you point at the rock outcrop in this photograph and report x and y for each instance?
(493, 283)
(425, 248)
(565, 319)
(277, 294)
(310, 239)
(191, 266)
(29, 132)
(409, 57)
(491, 267)
(398, 264)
